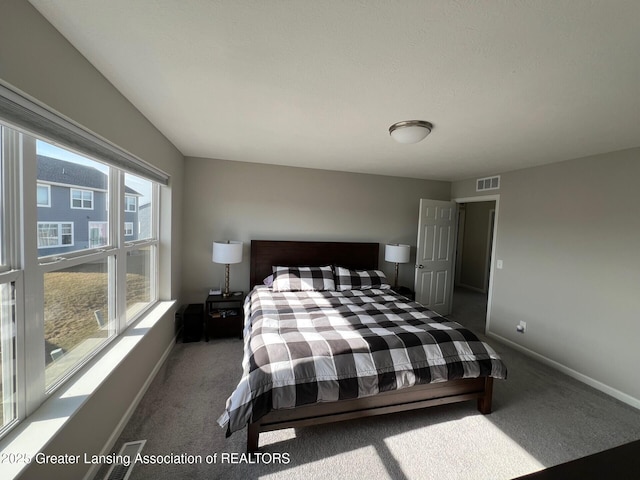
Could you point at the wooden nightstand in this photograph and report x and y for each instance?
(223, 316)
(407, 292)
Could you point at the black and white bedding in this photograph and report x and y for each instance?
(304, 347)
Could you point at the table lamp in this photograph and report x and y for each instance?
(227, 252)
(397, 253)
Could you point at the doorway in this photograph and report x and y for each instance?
(473, 266)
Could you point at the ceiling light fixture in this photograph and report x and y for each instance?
(410, 131)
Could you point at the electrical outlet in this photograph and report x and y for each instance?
(522, 327)
(499, 264)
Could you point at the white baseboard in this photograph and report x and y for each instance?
(617, 394)
(93, 470)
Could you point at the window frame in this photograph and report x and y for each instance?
(130, 229)
(22, 265)
(82, 191)
(60, 227)
(12, 349)
(89, 228)
(126, 204)
(48, 187)
(10, 215)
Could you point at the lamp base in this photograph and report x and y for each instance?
(226, 293)
(395, 282)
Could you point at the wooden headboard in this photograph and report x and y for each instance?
(267, 253)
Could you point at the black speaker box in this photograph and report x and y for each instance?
(192, 322)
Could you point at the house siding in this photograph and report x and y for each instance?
(63, 177)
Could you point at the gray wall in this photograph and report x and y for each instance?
(244, 201)
(568, 234)
(36, 59)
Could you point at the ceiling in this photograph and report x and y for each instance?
(507, 84)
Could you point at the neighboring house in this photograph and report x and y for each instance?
(72, 207)
(144, 221)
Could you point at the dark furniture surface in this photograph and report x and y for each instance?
(192, 318)
(265, 254)
(406, 291)
(224, 316)
(620, 463)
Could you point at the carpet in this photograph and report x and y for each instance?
(541, 418)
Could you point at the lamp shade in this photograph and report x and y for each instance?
(410, 131)
(397, 253)
(227, 252)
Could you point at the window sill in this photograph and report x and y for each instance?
(34, 433)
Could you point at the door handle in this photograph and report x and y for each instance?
(419, 266)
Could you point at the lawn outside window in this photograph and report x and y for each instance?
(74, 299)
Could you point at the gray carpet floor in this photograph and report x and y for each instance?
(541, 418)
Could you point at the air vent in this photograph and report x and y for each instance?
(488, 183)
(125, 460)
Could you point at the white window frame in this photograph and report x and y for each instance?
(12, 409)
(128, 229)
(59, 234)
(82, 192)
(126, 203)
(21, 263)
(13, 352)
(48, 187)
(152, 242)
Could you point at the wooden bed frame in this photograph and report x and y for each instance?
(265, 254)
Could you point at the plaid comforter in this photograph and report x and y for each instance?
(307, 347)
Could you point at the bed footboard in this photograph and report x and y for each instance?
(419, 396)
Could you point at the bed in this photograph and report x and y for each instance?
(349, 349)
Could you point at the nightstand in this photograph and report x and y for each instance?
(223, 316)
(407, 292)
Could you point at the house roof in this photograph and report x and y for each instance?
(54, 170)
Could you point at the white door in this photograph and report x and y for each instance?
(435, 254)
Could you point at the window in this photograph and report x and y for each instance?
(2, 200)
(44, 195)
(7, 354)
(141, 243)
(140, 284)
(98, 234)
(76, 304)
(129, 203)
(55, 234)
(84, 282)
(8, 278)
(82, 199)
